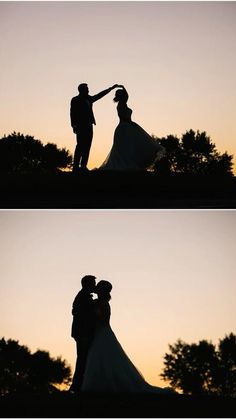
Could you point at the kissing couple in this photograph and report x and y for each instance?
(133, 148)
(102, 365)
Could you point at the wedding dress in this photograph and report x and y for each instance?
(133, 148)
(108, 368)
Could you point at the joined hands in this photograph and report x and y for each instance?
(117, 86)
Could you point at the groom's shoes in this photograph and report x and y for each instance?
(84, 170)
(74, 391)
(78, 170)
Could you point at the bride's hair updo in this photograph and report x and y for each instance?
(121, 94)
(103, 290)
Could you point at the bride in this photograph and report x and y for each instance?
(108, 368)
(133, 148)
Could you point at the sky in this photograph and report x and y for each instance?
(176, 59)
(173, 276)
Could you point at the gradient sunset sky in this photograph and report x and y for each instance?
(176, 59)
(173, 276)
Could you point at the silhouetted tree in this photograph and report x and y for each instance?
(23, 153)
(194, 154)
(201, 368)
(21, 371)
(226, 374)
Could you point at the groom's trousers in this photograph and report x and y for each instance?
(82, 347)
(84, 138)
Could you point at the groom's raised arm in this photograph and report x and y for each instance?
(103, 93)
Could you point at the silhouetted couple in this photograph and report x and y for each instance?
(102, 366)
(133, 148)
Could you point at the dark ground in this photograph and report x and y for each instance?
(123, 406)
(116, 190)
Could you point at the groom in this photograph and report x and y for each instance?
(82, 121)
(83, 327)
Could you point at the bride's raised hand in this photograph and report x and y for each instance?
(115, 86)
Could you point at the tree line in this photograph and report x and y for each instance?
(24, 154)
(194, 153)
(24, 372)
(202, 368)
(194, 369)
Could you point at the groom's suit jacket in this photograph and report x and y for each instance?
(83, 324)
(81, 109)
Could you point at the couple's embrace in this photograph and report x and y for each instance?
(133, 148)
(102, 366)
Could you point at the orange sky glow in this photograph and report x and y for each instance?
(176, 59)
(173, 276)
(173, 272)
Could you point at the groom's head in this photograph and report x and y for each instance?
(83, 89)
(88, 283)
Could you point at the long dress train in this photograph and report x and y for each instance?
(108, 368)
(133, 148)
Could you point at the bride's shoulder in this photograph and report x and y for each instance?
(100, 303)
(95, 303)
(102, 310)
(121, 105)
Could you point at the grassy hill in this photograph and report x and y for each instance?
(66, 405)
(116, 190)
